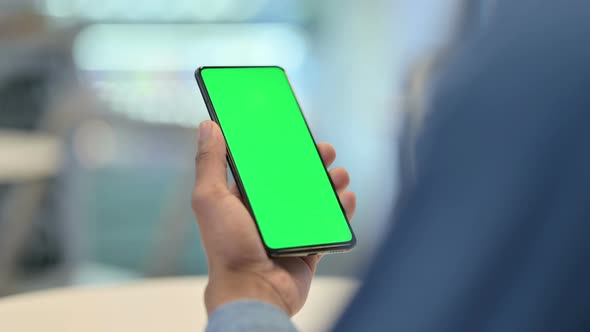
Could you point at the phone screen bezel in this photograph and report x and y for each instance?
(272, 252)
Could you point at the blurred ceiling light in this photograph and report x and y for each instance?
(156, 10)
(144, 71)
(156, 47)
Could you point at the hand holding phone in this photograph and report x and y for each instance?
(239, 267)
(275, 162)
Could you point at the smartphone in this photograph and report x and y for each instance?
(275, 161)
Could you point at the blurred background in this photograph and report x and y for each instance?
(99, 109)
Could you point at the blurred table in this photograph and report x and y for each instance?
(172, 304)
(28, 156)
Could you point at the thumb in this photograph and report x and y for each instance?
(211, 164)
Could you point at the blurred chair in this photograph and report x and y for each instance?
(43, 109)
(30, 162)
(33, 61)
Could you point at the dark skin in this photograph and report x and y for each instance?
(238, 265)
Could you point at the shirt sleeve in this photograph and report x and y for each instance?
(249, 315)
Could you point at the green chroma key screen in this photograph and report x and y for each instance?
(281, 171)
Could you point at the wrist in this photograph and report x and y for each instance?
(230, 287)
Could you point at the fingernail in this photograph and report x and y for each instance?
(204, 132)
